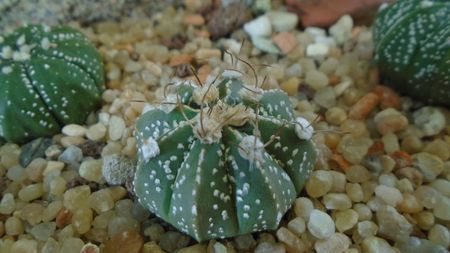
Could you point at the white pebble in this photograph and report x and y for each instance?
(116, 128)
(317, 50)
(320, 224)
(282, 21)
(74, 130)
(259, 27)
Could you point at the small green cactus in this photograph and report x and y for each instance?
(412, 39)
(49, 77)
(222, 160)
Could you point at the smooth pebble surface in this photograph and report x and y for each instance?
(381, 183)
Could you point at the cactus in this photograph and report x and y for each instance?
(223, 159)
(49, 77)
(413, 48)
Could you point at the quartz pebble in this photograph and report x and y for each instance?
(375, 244)
(96, 132)
(116, 128)
(346, 220)
(429, 165)
(292, 243)
(393, 225)
(267, 247)
(430, 120)
(320, 224)
(319, 183)
(259, 27)
(337, 201)
(441, 210)
(342, 29)
(25, 246)
(297, 225)
(390, 121)
(172, 241)
(317, 50)
(303, 207)
(91, 170)
(72, 156)
(417, 245)
(282, 21)
(126, 241)
(73, 130)
(391, 196)
(338, 242)
(439, 235)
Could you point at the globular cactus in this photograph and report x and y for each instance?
(413, 48)
(222, 160)
(49, 77)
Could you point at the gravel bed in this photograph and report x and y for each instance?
(381, 183)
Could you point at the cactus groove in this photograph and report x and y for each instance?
(412, 39)
(49, 77)
(225, 159)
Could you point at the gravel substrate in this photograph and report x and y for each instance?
(381, 183)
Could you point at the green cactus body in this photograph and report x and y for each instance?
(236, 172)
(412, 39)
(49, 77)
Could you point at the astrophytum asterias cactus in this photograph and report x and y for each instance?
(223, 160)
(412, 39)
(49, 77)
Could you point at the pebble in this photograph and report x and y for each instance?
(335, 115)
(439, 235)
(365, 229)
(325, 97)
(197, 248)
(25, 246)
(320, 224)
(265, 45)
(393, 225)
(417, 245)
(297, 225)
(337, 201)
(116, 128)
(346, 220)
(375, 244)
(303, 207)
(90, 248)
(31, 192)
(337, 243)
(354, 148)
(77, 197)
(390, 120)
(390, 195)
(429, 165)
(96, 132)
(74, 130)
(171, 241)
(441, 210)
(101, 201)
(441, 185)
(259, 27)
(244, 242)
(72, 156)
(127, 241)
(317, 50)
(342, 29)
(268, 247)
(292, 243)
(152, 247)
(319, 183)
(14, 226)
(154, 231)
(282, 21)
(7, 204)
(91, 170)
(285, 41)
(43, 231)
(316, 79)
(33, 149)
(430, 120)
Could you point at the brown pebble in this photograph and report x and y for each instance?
(128, 241)
(194, 19)
(364, 106)
(63, 218)
(285, 41)
(180, 59)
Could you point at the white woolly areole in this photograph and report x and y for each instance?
(149, 149)
(251, 148)
(206, 93)
(303, 128)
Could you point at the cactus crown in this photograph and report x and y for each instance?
(223, 159)
(48, 77)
